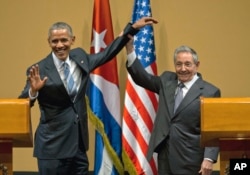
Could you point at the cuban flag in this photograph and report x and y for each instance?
(104, 97)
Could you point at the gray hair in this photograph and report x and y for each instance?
(60, 25)
(184, 48)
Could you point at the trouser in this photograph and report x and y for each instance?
(77, 165)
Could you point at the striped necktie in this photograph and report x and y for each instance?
(178, 96)
(70, 84)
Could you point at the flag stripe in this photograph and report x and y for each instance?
(136, 132)
(137, 100)
(139, 159)
(130, 151)
(111, 90)
(152, 69)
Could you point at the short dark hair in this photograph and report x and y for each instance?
(61, 25)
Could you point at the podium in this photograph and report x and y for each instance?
(15, 128)
(225, 122)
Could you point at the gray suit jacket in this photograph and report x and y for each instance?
(180, 131)
(57, 134)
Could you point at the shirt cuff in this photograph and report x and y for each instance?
(131, 58)
(33, 97)
(209, 160)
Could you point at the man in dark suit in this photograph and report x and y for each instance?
(176, 134)
(61, 138)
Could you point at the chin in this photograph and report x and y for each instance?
(61, 57)
(184, 79)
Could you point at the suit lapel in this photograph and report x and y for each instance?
(169, 92)
(81, 63)
(193, 93)
(53, 74)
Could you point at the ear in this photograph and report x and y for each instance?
(198, 64)
(73, 39)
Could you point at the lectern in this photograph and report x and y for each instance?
(15, 128)
(225, 122)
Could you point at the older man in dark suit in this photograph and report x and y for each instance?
(176, 133)
(59, 83)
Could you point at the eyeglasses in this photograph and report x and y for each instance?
(186, 64)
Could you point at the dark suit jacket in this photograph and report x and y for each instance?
(181, 131)
(57, 133)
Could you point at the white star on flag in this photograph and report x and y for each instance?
(98, 40)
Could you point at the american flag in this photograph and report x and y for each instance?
(104, 97)
(140, 104)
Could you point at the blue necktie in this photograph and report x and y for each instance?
(70, 84)
(178, 96)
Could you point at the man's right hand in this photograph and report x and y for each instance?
(36, 83)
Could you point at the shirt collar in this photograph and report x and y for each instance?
(58, 62)
(191, 82)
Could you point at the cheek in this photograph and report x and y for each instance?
(52, 46)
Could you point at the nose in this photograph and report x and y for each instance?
(59, 44)
(183, 67)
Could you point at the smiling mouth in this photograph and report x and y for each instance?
(60, 51)
(183, 74)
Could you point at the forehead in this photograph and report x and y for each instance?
(57, 33)
(184, 56)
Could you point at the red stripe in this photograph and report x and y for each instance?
(136, 132)
(140, 106)
(154, 68)
(153, 166)
(152, 95)
(132, 155)
(153, 99)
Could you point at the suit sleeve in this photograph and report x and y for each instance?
(142, 78)
(112, 49)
